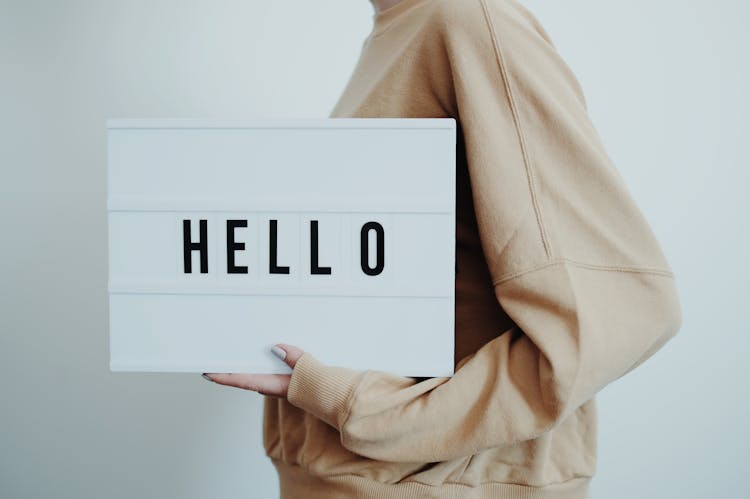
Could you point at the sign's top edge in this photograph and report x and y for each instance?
(417, 123)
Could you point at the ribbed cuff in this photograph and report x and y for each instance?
(322, 390)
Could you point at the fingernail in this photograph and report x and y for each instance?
(278, 352)
(205, 376)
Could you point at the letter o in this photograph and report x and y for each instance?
(364, 248)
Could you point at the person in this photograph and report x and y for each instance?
(561, 284)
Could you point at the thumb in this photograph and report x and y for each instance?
(288, 353)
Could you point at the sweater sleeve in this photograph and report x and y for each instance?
(573, 261)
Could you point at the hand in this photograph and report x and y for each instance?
(275, 385)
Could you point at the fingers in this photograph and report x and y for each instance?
(266, 384)
(288, 353)
(275, 385)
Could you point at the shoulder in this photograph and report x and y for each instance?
(476, 18)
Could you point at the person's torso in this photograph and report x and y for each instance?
(387, 82)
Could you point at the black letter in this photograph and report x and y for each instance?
(201, 245)
(364, 248)
(233, 246)
(273, 268)
(314, 268)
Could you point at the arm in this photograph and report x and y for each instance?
(573, 261)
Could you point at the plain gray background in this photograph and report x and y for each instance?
(666, 83)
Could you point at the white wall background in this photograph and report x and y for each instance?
(666, 84)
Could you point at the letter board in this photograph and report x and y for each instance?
(336, 235)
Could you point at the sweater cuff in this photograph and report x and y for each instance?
(322, 390)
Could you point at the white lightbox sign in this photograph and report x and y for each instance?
(336, 235)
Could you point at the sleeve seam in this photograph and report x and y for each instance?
(504, 73)
(353, 393)
(616, 268)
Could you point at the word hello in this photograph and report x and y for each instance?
(273, 265)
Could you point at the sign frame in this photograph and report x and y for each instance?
(322, 181)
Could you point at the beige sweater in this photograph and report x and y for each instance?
(561, 285)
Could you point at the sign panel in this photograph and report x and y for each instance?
(336, 235)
